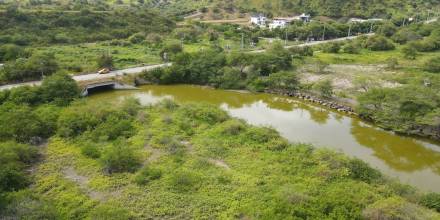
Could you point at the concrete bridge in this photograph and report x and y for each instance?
(93, 78)
(104, 85)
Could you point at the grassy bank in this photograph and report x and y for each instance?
(195, 162)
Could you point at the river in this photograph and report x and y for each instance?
(413, 161)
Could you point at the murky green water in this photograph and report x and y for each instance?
(412, 160)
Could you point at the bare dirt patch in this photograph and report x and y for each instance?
(219, 163)
(344, 77)
(82, 182)
(155, 154)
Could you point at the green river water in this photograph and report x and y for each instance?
(413, 161)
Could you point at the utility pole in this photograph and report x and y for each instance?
(242, 41)
(403, 25)
(371, 27)
(323, 34)
(182, 40)
(349, 31)
(285, 39)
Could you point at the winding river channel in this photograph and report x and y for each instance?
(413, 161)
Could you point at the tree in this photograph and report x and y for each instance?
(324, 88)
(42, 63)
(19, 123)
(11, 52)
(405, 35)
(170, 49)
(137, 38)
(283, 80)
(379, 43)
(105, 61)
(240, 60)
(59, 88)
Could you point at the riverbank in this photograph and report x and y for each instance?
(432, 133)
(193, 160)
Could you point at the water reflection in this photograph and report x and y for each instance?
(403, 153)
(414, 161)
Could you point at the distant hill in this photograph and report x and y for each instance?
(331, 8)
(342, 8)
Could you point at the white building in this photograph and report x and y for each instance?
(278, 23)
(303, 17)
(259, 20)
(360, 20)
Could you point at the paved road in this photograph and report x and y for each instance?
(94, 76)
(431, 21)
(318, 42)
(136, 70)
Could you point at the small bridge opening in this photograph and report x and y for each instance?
(99, 89)
(104, 86)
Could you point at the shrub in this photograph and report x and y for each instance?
(11, 52)
(184, 181)
(387, 29)
(89, 150)
(331, 48)
(392, 63)
(283, 81)
(35, 67)
(433, 65)
(351, 48)
(379, 43)
(110, 212)
(147, 174)
(118, 159)
(277, 144)
(404, 35)
(13, 159)
(202, 113)
(431, 200)
(426, 45)
(115, 125)
(231, 79)
(75, 120)
(170, 49)
(360, 170)
(298, 52)
(19, 123)
(409, 52)
(233, 127)
(395, 208)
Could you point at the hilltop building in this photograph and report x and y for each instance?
(259, 20)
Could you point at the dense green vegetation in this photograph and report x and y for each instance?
(127, 161)
(333, 8)
(52, 27)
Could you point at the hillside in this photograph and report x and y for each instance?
(331, 8)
